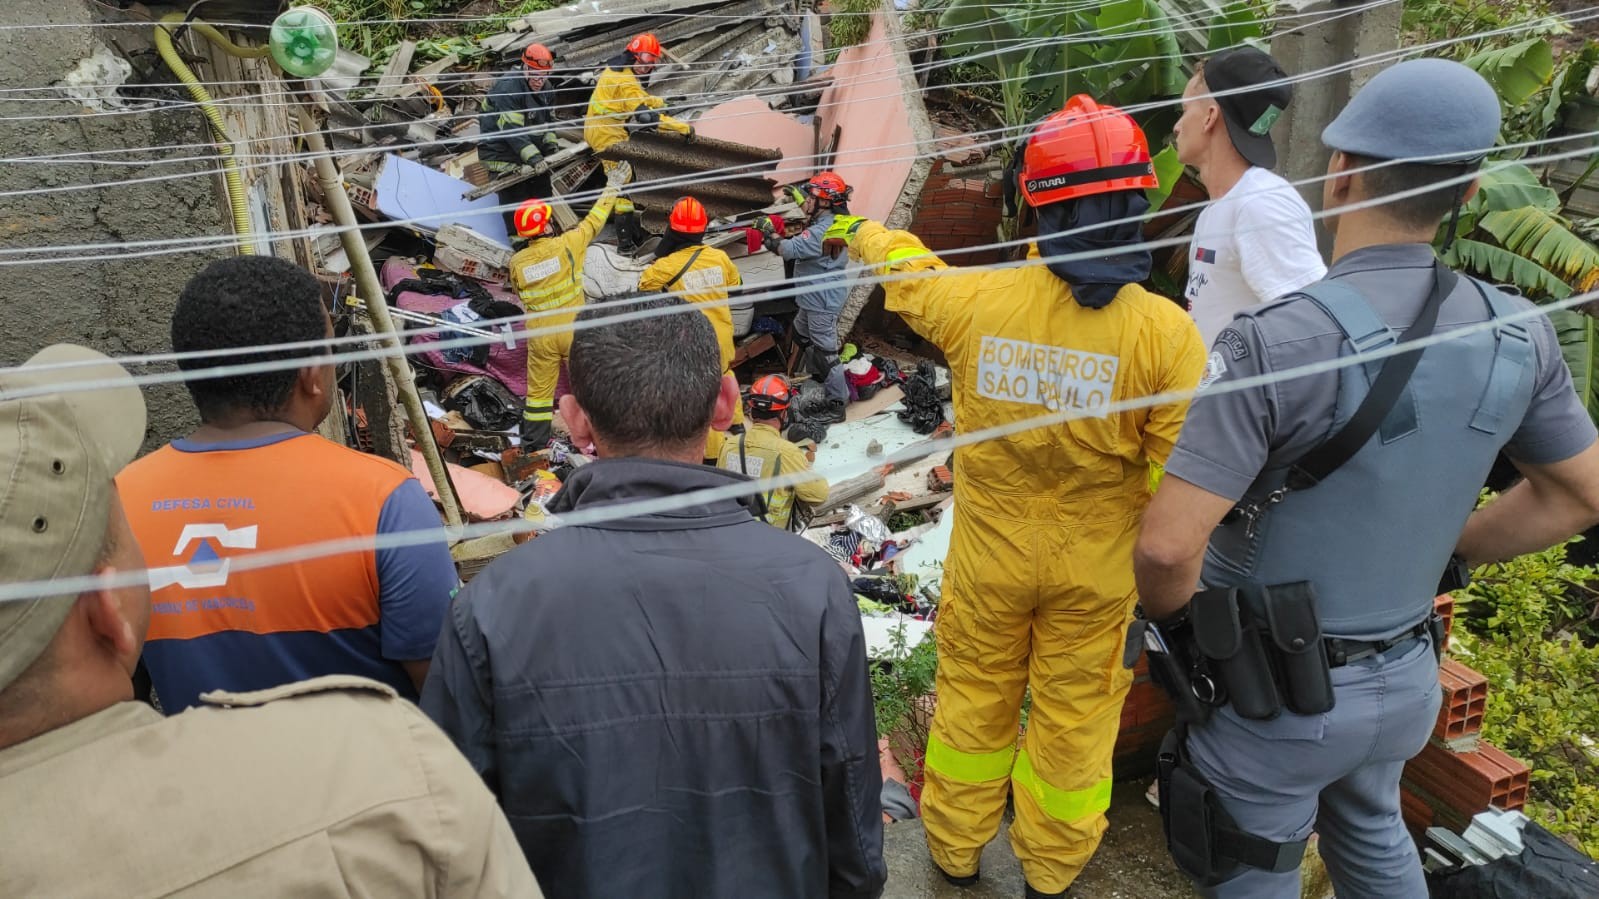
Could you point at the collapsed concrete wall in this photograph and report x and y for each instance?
(119, 303)
(885, 147)
(114, 305)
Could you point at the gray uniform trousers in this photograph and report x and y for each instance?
(821, 328)
(1336, 773)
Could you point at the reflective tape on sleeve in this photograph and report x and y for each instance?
(1062, 805)
(969, 767)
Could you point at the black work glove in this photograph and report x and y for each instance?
(643, 118)
(772, 241)
(690, 136)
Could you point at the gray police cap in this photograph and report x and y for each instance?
(1428, 110)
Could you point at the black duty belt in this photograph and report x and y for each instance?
(1341, 652)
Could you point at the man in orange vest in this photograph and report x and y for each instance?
(254, 477)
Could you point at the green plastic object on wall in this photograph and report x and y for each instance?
(304, 41)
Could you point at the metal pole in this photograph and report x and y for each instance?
(366, 280)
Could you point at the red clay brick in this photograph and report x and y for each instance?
(1465, 700)
(1444, 607)
(1468, 782)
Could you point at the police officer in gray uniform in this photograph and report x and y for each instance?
(1318, 511)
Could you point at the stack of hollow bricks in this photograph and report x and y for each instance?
(1456, 776)
(957, 211)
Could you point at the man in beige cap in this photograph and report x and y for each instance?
(329, 787)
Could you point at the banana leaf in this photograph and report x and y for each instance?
(1518, 71)
(989, 38)
(1505, 187)
(1238, 23)
(1499, 264)
(1167, 171)
(1546, 240)
(1579, 344)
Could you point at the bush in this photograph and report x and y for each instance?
(1526, 626)
(902, 696)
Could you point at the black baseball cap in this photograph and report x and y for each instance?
(1249, 114)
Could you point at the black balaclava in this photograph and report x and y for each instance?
(1080, 226)
(674, 240)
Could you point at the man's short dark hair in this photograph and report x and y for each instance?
(246, 301)
(647, 382)
(1419, 210)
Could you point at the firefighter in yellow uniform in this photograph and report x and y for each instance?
(1038, 585)
(620, 102)
(699, 274)
(548, 275)
(762, 452)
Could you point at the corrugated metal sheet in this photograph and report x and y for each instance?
(727, 177)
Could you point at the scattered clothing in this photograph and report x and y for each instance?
(923, 411)
(702, 728)
(194, 505)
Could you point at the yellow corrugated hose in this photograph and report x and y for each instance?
(237, 198)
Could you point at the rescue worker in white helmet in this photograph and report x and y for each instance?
(760, 451)
(548, 276)
(620, 104)
(1038, 586)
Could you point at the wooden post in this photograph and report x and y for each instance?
(366, 280)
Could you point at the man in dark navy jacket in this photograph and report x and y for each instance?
(669, 702)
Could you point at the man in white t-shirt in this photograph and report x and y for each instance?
(1254, 242)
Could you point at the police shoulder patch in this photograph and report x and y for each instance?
(1234, 343)
(1215, 367)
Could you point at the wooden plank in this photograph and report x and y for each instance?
(852, 489)
(868, 408)
(751, 348)
(393, 77)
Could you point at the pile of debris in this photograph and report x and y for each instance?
(407, 139)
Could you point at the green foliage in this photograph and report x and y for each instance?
(372, 27)
(1239, 22)
(1167, 171)
(1518, 71)
(1579, 343)
(1526, 625)
(849, 24)
(1532, 597)
(1512, 232)
(1134, 57)
(902, 690)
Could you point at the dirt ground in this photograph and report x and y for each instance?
(1132, 862)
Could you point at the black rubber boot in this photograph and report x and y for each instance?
(1035, 894)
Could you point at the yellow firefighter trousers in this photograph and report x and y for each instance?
(1042, 598)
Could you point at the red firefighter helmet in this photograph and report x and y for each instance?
(531, 218)
(770, 396)
(538, 57)
(643, 44)
(1084, 149)
(828, 186)
(688, 217)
